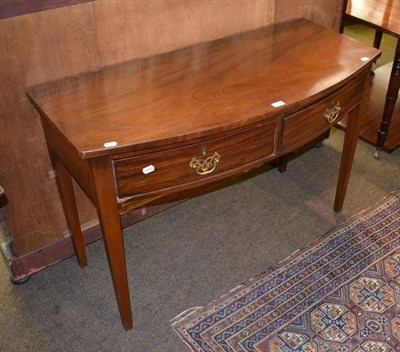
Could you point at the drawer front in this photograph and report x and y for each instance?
(309, 123)
(170, 169)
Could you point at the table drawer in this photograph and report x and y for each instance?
(309, 123)
(194, 164)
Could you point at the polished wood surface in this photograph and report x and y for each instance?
(384, 16)
(68, 199)
(214, 104)
(197, 91)
(295, 135)
(107, 210)
(256, 143)
(49, 45)
(391, 99)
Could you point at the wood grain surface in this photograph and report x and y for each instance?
(384, 14)
(200, 90)
(172, 167)
(295, 134)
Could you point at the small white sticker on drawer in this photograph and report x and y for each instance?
(365, 59)
(278, 104)
(148, 169)
(110, 144)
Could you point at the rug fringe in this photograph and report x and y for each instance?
(184, 315)
(235, 288)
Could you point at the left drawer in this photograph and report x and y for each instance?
(181, 167)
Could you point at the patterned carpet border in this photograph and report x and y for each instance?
(339, 294)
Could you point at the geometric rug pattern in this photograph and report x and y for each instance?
(340, 294)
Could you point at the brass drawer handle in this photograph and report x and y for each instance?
(205, 166)
(331, 114)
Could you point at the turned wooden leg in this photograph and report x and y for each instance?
(107, 209)
(377, 39)
(68, 200)
(391, 98)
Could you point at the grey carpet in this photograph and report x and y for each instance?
(189, 255)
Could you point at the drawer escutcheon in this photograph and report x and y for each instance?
(205, 166)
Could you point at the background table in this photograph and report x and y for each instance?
(384, 16)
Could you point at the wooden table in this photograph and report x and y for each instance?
(384, 16)
(175, 124)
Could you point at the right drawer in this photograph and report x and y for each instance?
(309, 123)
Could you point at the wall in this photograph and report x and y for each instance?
(45, 46)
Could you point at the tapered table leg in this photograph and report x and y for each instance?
(349, 148)
(107, 209)
(67, 195)
(391, 98)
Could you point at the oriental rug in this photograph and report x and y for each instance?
(340, 294)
